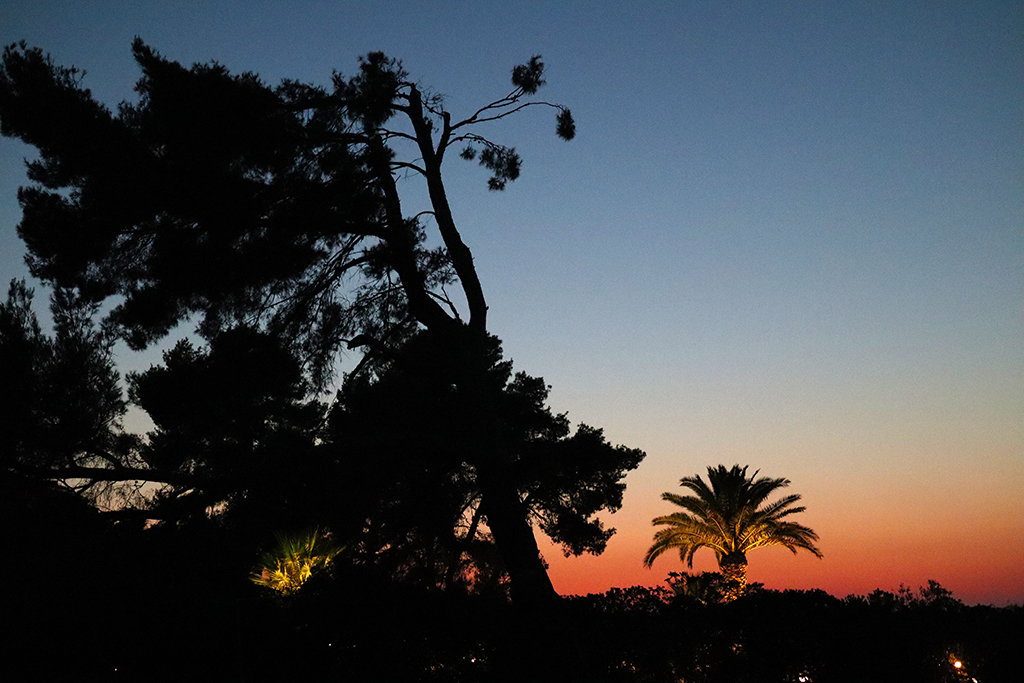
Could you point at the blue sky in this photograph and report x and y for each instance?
(787, 234)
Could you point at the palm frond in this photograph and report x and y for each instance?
(729, 514)
(294, 561)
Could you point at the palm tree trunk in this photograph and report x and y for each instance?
(734, 572)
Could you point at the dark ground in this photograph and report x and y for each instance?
(89, 602)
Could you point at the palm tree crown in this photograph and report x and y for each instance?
(731, 517)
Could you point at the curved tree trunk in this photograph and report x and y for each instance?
(506, 515)
(513, 534)
(734, 572)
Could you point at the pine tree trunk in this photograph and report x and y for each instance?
(514, 537)
(545, 644)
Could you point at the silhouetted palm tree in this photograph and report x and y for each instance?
(730, 517)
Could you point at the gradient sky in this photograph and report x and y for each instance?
(788, 234)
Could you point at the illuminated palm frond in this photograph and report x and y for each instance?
(294, 561)
(729, 515)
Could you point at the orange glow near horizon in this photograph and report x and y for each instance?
(975, 576)
(973, 546)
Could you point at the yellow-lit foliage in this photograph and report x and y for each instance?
(293, 562)
(958, 669)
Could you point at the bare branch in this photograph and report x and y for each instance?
(75, 472)
(405, 164)
(505, 101)
(388, 134)
(475, 120)
(445, 299)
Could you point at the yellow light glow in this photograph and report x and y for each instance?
(293, 563)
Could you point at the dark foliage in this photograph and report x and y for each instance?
(421, 424)
(61, 401)
(173, 603)
(273, 217)
(799, 636)
(213, 195)
(231, 421)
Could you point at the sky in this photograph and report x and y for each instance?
(787, 235)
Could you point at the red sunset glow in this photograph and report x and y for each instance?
(981, 566)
